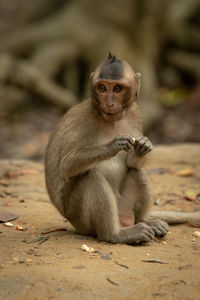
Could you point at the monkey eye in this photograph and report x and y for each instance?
(101, 88)
(117, 88)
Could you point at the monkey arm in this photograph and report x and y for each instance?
(137, 157)
(79, 161)
(135, 161)
(82, 159)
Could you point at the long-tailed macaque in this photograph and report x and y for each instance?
(95, 157)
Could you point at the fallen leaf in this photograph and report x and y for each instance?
(30, 172)
(19, 227)
(196, 233)
(95, 253)
(8, 224)
(87, 249)
(54, 230)
(28, 260)
(15, 173)
(12, 174)
(154, 260)
(15, 259)
(7, 216)
(185, 172)
(191, 194)
(22, 260)
(4, 182)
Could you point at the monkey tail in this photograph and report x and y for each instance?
(177, 217)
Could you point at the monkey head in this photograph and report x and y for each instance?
(114, 88)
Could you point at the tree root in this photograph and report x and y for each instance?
(26, 75)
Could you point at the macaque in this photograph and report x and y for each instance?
(95, 157)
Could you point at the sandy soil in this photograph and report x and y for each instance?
(53, 266)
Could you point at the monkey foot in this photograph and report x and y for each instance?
(159, 227)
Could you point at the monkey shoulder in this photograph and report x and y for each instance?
(76, 128)
(135, 111)
(135, 119)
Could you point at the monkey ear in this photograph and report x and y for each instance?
(91, 75)
(137, 80)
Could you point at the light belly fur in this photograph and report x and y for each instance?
(114, 170)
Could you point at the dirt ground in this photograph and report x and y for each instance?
(38, 266)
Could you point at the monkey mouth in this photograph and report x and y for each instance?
(112, 113)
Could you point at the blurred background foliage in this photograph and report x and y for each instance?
(49, 48)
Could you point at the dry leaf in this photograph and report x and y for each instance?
(15, 259)
(185, 172)
(191, 194)
(87, 249)
(54, 230)
(154, 260)
(28, 260)
(4, 182)
(22, 260)
(12, 174)
(196, 233)
(7, 216)
(30, 172)
(8, 224)
(19, 227)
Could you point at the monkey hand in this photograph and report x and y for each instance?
(143, 145)
(121, 142)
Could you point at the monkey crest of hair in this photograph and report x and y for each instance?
(111, 57)
(112, 68)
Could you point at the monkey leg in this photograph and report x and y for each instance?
(92, 209)
(138, 196)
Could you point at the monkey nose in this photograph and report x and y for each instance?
(109, 105)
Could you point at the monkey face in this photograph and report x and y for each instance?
(111, 98)
(114, 88)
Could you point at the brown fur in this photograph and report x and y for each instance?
(94, 172)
